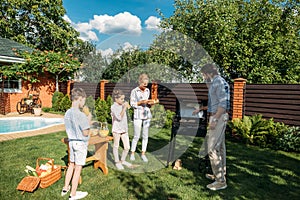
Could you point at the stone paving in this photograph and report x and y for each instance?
(52, 129)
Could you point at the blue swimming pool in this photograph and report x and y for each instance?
(21, 124)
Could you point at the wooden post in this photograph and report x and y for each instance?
(154, 90)
(102, 89)
(238, 98)
(69, 87)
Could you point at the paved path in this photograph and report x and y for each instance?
(51, 129)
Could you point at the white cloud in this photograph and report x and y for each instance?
(118, 24)
(122, 22)
(107, 52)
(89, 35)
(129, 47)
(67, 19)
(83, 27)
(85, 30)
(152, 23)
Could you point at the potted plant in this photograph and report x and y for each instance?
(37, 110)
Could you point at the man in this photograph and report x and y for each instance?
(217, 108)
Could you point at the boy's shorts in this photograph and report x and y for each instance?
(78, 152)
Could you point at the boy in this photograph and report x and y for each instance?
(77, 127)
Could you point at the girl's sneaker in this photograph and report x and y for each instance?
(119, 166)
(144, 158)
(64, 191)
(132, 157)
(127, 164)
(79, 195)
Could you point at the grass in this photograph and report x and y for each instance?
(252, 173)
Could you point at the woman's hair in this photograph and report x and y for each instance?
(210, 69)
(117, 93)
(76, 93)
(142, 77)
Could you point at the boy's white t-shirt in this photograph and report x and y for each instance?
(76, 122)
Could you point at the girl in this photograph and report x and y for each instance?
(120, 128)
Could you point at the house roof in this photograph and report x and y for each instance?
(7, 55)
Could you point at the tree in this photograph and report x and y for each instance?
(92, 67)
(59, 64)
(37, 23)
(159, 64)
(257, 39)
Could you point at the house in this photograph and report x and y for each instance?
(13, 90)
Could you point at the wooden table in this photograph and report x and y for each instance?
(100, 156)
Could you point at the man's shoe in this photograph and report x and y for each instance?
(217, 185)
(119, 166)
(79, 195)
(210, 177)
(132, 157)
(144, 158)
(64, 191)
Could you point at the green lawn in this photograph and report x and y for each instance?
(252, 173)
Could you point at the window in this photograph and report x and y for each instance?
(11, 85)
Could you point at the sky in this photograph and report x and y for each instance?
(117, 23)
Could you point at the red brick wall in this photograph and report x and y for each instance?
(46, 87)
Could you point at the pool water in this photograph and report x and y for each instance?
(21, 124)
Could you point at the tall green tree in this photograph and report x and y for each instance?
(37, 23)
(159, 64)
(93, 67)
(257, 39)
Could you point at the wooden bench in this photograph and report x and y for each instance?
(100, 156)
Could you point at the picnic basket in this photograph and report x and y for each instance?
(51, 178)
(28, 184)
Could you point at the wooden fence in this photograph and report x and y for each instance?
(277, 101)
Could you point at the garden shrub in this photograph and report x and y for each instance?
(290, 141)
(90, 103)
(158, 115)
(46, 109)
(102, 110)
(169, 119)
(109, 102)
(56, 99)
(65, 104)
(255, 130)
(130, 114)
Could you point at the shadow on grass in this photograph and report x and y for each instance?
(144, 188)
(252, 172)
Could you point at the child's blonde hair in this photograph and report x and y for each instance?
(76, 93)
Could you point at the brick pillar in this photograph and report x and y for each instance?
(154, 90)
(102, 89)
(4, 106)
(238, 98)
(69, 83)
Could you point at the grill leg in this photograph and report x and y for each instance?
(171, 147)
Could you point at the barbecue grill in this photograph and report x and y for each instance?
(187, 124)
